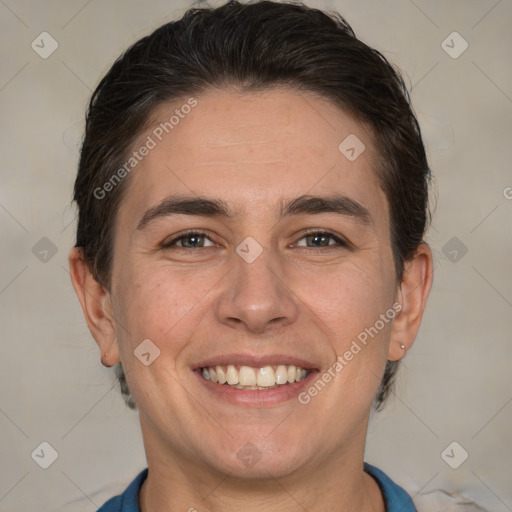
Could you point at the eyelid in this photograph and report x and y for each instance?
(342, 241)
(166, 244)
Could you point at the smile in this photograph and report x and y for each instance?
(254, 378)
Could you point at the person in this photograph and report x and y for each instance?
(252, 199)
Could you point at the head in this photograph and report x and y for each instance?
(299, 187)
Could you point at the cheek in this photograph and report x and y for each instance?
(348, 306)
(162, 304)
(349, 298)
(165, 308)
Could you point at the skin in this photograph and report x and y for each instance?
(254, 151)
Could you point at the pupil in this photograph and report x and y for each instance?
(320, 238)
(193, 240)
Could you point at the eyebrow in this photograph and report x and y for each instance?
(302, 205)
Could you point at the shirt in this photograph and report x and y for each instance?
(395, 498)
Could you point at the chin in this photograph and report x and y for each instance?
(259, 459)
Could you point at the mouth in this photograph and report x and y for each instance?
(254, 378)
(254, 381)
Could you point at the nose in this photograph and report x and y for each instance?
(256, 297)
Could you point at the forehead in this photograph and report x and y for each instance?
(254, 149)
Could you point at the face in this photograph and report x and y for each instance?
(261, 276)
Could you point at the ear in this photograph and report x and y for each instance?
(96, 305)
(412, 294)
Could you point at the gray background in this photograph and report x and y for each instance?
(455, 383)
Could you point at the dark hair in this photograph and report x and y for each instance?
(254, 46)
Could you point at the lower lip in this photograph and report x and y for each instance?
(257, 397)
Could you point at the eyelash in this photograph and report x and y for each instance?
(168, 245)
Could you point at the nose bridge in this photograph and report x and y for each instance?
(255, 295)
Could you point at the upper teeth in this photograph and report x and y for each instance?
(249, 377)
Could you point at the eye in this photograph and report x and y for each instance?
(189, 240)
(199, 239)
(321, 239)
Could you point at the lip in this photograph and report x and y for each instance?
(256, 397)
(256, 361)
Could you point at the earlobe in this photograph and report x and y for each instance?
(412, 295)
(96, 305)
